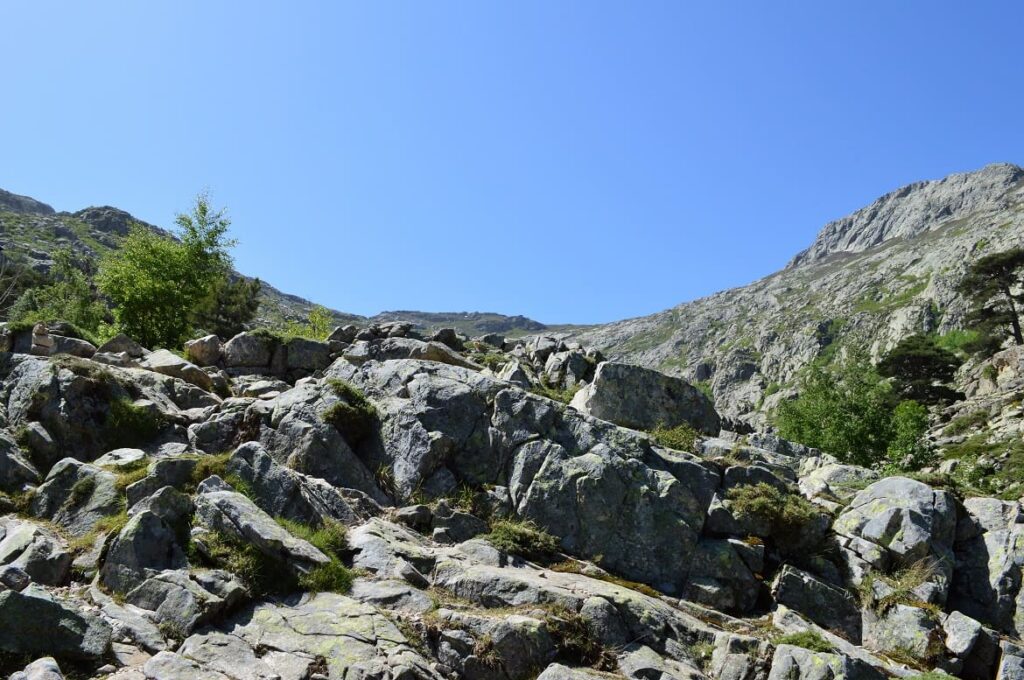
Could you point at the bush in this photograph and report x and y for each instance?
(262, 574)
(129, 425)
(845, 411)
(907, 449)
(523, 537)
(158, 283)
(965, 422)
(787, 514)
(577, 643)
(68, 297)
(921, 369)
(808, 639)
(330, 538)
(681, 437)
(354, 416)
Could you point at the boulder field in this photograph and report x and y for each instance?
(388, 506)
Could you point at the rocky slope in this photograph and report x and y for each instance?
(884, 272)
(388, 506)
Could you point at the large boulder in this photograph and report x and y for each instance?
(896, 523)
(405, 348)
(204, 351)
(824, 604)
(49, 626)
(220, 508)
(601, 489)
(38, 552)
(989, 570)
(643, 399)
(148, 544)
(249, 350)
(168, 363)
(76, 495)
(16, 471)
(307, 355)
(797, 663)
(282, 492)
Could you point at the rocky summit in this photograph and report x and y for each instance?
(422, 496)
(389, 505)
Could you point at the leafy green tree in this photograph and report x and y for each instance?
(157, 282)
(69, 296)
(845, 410)
(231, 305)
(317, 326)
(921, 369)
(907, 448)
(990, 284)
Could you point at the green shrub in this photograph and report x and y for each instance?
(785, 513)
(845, 411)
(543, 389)
(965, 421)
(907, 448)
(209, 466)
(262, 574)
(808, 639)
(577, 643)
(354, 416)
(681, 437)
(331, 537)
(83, 489)
(333, 577)
(522, 537)
(902, 583)
(129, 425)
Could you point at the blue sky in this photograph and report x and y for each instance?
(571, 161)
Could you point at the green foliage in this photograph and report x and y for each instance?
(787, 514)
(544, 389)
(991, 285)
(965, 421)
(961, 342)
(808, 639)
(331, 538)
(353, 416)
(129, 474)
(901, 586)
(229, 306)
(83, 489)
(845, 411)
(317, 326)
(129, 425)
(577, 643)
(920, 369)
(69, 296)
(704, 387)
(681, 437)
(907, 449)
(523, 537)
(157, 283)
(262, 574)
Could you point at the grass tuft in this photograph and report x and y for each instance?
(523, 537)
(354, 416)
(808, 639)
(681, 437)
(787, 514)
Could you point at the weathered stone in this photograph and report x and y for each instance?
(146, 545)
(249, 350)
(75, 347)
(48, 626)
(643, 399)
(168, 363)
(282, 492)
(77, 495)
(34, 550)
(40, 669)
(122, 343)
(307, 355)
(204, 351)
(826, 605)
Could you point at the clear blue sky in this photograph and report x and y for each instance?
(571, 161)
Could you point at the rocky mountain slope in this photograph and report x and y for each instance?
(31, 230)
(884, 272)
(386, 506)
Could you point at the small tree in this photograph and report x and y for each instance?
(69, 296)
(990, 284)
(231, 305)
(157, 283)
(907, 448)
(921, 369)
(845, 411)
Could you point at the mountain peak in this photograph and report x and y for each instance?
(912, 210)
(23, 204)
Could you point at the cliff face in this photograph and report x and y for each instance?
(884, 272)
